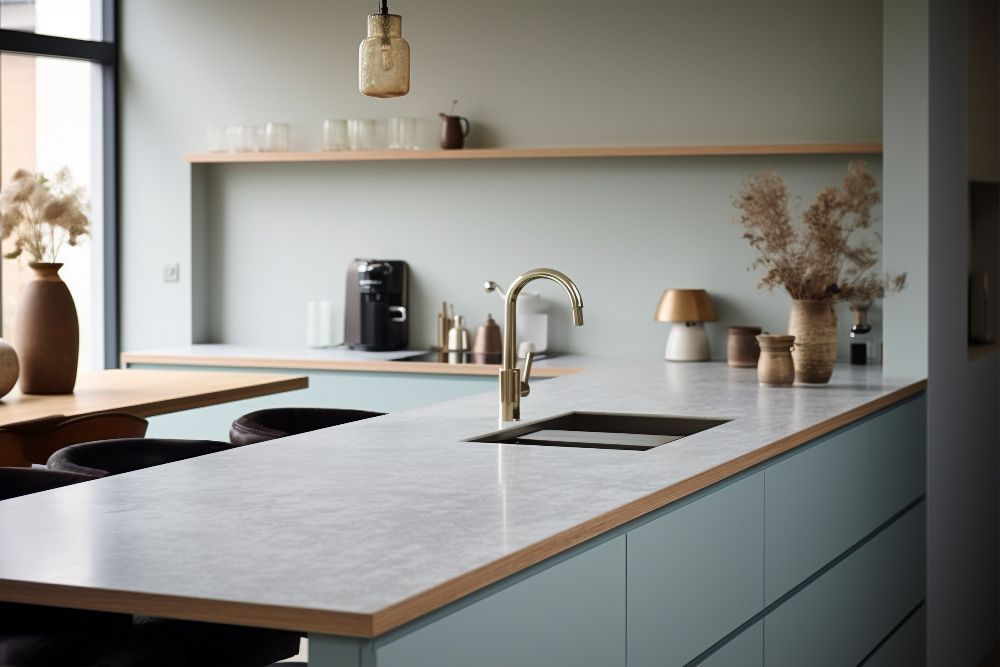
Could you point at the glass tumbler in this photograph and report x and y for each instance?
(361, 132)
(335, 134)
(242, 138)
(276, 137)
(403, 133)
(215, 137)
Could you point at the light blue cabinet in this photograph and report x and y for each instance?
(841, 616)
(695, 574)
(827, 497)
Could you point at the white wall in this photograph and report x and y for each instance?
(527, 73)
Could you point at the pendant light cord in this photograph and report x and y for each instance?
(383, 7)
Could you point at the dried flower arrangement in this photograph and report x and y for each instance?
(817, 260)
(42, 214)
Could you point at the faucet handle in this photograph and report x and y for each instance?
(526, 374)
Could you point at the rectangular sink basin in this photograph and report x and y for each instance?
(601, 430)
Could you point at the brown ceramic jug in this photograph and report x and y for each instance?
(47, 333)
(775, 368)
(454, 129)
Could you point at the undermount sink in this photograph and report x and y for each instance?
(601, 430)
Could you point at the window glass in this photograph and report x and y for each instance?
(79, 19)
(50, 117)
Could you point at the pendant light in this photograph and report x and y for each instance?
(384, 56)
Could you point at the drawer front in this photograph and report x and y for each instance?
(572, 613)
(695, 574)
(744, 650)
(826, 498)
(841, 616)
(906, 647)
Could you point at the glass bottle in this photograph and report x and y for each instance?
(860, 329)
(384, 58)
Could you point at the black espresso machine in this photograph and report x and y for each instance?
(378, 294)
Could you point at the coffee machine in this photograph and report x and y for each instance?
(378, 294)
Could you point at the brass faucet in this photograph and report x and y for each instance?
(512, 387)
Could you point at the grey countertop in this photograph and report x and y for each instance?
(359, 528)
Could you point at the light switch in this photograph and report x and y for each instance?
(171, 273)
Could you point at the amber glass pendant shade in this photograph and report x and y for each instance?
(384, 58)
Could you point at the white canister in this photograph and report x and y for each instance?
(319, 324)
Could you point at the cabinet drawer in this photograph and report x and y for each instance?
(906, 646)
(695, 574)
(572, 613)
(826, 498)
(744, 650)
(842, 615)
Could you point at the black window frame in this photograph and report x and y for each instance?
(106, 53)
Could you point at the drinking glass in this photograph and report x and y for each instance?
(335, 134)
(361, 132)
(403, 133)
(215, 137)
(242, 138)
(276, 137)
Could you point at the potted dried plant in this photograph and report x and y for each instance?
(826, 258)
(38, 216)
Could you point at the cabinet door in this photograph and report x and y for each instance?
(907, 646)
(744, 650)
(695, 574)
(826, 498)
(839, 618)
(572, 613)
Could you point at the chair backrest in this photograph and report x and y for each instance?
(275, 423)
(35, 441)
(112, 457)
(16, 482)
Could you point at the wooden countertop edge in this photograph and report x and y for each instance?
(422, 367)
(394, 616)
(266, 388)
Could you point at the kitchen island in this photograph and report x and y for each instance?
(393, 541)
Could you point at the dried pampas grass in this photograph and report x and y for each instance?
(42, 214)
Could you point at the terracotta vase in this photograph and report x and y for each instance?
(47, 333)
(814, 325)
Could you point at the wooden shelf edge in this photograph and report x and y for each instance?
(536, 153)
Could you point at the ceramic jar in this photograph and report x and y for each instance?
(9, 367)
(776, 367)
(47, 333)
(742, 350)
(814, 325)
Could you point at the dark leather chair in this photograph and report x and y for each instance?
(113, 457)
(16, 482)
(280, 422)
(34, 441)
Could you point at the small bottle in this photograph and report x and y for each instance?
(860, 329)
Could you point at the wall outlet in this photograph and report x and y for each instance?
(171, 273)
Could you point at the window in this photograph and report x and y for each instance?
(57, 108)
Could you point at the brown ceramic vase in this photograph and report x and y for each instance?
(47, 333)
(814, 325)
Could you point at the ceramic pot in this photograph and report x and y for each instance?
(9, 367)
(742, 349)
(47, 333)
(775, 367)
(814, 325)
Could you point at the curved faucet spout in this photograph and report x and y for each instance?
(511, 389)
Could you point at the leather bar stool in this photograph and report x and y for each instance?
(280, 422)
(113, 457)
(16, 482)
(34, 441)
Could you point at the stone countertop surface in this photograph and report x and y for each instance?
(336, 358)
(362, 527)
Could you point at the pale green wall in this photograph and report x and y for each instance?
(528, 74)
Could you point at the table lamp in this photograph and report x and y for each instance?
(687, 308)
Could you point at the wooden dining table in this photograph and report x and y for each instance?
(145, 393)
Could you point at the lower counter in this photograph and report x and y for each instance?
(816, 557)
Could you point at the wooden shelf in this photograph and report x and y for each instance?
(535, 153)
